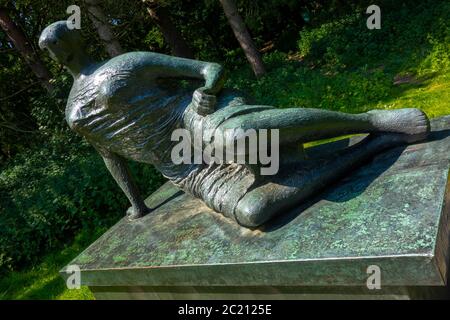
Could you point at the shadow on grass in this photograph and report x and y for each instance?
(42, 281)
(47, 291)
(39, 283)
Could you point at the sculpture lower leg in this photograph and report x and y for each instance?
(300, 181)
(306, 124)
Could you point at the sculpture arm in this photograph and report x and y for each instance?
(121, 174)
(170, 66)
(213, 74)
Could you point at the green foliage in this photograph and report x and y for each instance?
(49, 193)
(292, 84)
(154, 39)
(343, 66)
(408, 34)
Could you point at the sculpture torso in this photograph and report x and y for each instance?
(131, 112)
(118, 107)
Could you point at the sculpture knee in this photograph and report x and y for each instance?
(250, 213)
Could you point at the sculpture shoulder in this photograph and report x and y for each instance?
(82, 100)
(90, 96)
(105, 78)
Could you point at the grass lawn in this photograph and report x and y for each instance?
(43, 280)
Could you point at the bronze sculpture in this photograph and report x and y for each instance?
(128, 106)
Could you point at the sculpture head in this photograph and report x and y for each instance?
(64, 45)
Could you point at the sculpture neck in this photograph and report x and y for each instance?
(79, 64)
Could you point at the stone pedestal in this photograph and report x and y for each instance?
(391, 213)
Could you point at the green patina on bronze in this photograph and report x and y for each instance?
(392, 212)
(129, 106)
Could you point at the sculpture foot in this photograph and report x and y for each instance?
(134, 214)
(409, 121)
(252, 215)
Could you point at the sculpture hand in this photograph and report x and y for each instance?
(203, 102)
(135, 213)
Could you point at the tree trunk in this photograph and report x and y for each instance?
(23, 46)
(105, 33)
(243, 36)
(174, 39)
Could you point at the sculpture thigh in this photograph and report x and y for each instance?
(294, 124)
(295, 183)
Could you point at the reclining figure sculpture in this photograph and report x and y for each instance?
(127, 108)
